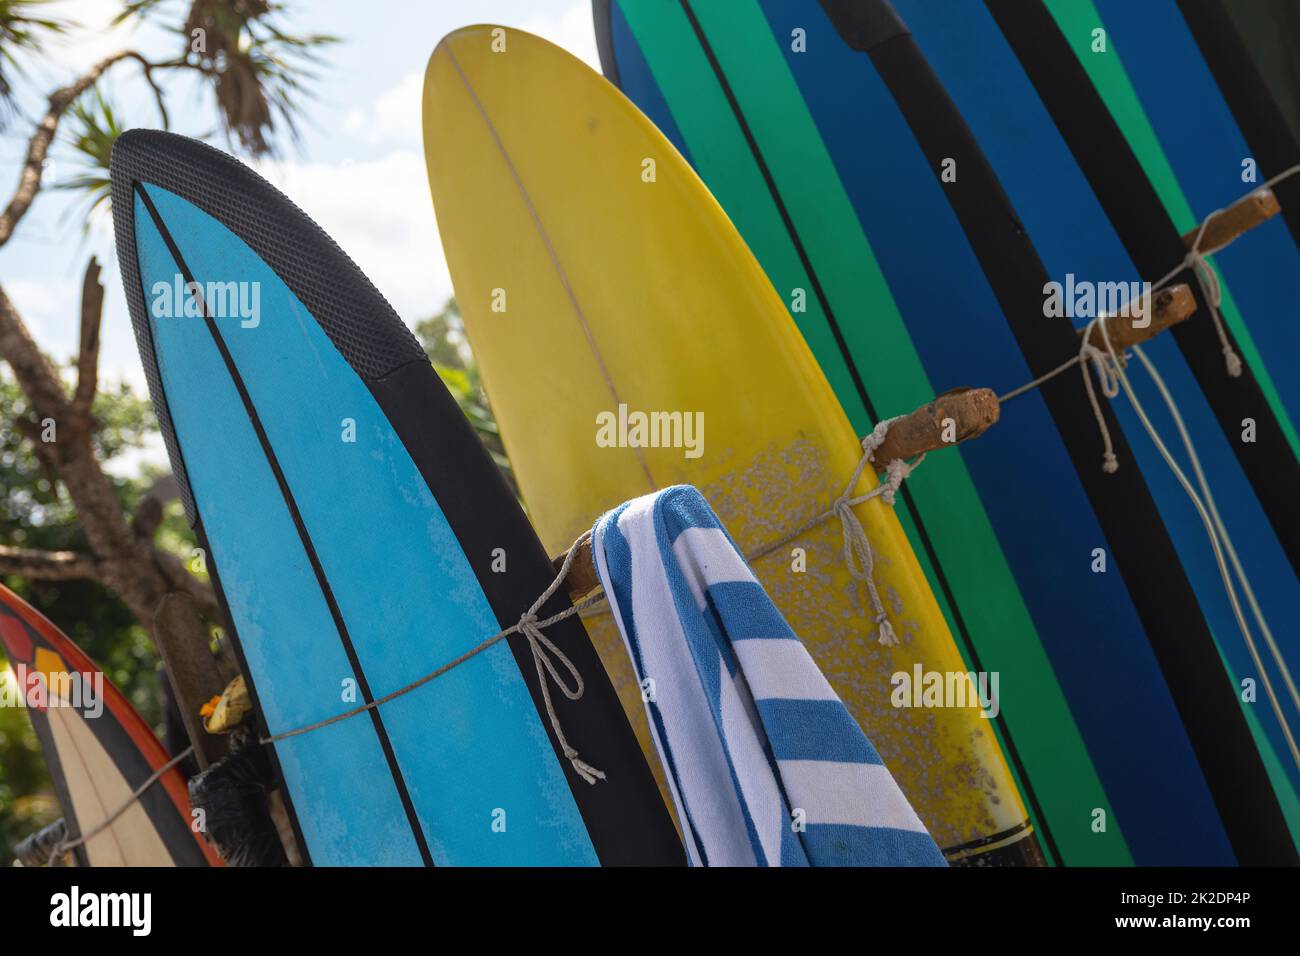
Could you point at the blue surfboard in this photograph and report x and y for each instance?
(1189, 100)
(360, 538)
(764, 95)
(1006, 101)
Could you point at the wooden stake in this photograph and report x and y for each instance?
(1169, 306)
(963, 413)
(182, 641)
(582, 578)
(1242, 216)
(960, 412)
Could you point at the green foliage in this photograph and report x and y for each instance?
(22, 28)
(101, 626)
(34, 515)
(26, 801)
(443, 339)
(94, 128)
(257, 73)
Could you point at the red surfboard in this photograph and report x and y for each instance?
(99, 750)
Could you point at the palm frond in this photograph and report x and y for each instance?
(94, 127)
(259, 72)
(137, 8)
(22, 29)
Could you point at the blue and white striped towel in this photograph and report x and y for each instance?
(766, 766)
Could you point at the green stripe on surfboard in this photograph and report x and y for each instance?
(1277, 772)
(1064, 780)
(1076, 20)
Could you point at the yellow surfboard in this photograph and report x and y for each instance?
(628, 341)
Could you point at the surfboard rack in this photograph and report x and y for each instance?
(1168, 307)
(1242, 216)
(953, 417)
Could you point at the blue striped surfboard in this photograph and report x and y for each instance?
(350, 519)
(940, 278)
(1008, 105)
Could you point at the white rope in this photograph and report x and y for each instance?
(1210, 522)
(1109, 387)
(1109, 367)
(1087, 354)
(1030, 386)
(1208, 279)
(545, 657)
(858, 554)
(66, 846)
(1230, 550)
(1211, 291)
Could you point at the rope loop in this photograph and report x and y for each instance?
(1106, 365)
(1212, 291)
(546, 656)
(858, 554)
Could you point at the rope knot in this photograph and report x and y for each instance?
(842, 508)
(1232, 360)
(876, 437)
(548, 659)
(1106, 364)
(1212, 290)
(885, 635)
(896, 472)
(858, 555)
(1196, 263)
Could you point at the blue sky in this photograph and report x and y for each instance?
(358, 171)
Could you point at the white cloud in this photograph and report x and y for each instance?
(51, 308)
(91, 35)
(571, 29)
(45, 305)
(380, 213)
(394, 117)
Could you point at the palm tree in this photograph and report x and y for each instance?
(73, 529)
(22, 32)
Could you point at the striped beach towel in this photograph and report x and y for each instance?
(765, 764)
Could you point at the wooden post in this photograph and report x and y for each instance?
(182, 641)
(1169, 306)
(1243, 215)
(972, 411)
(582, 578)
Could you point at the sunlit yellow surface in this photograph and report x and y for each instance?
(624, 287)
